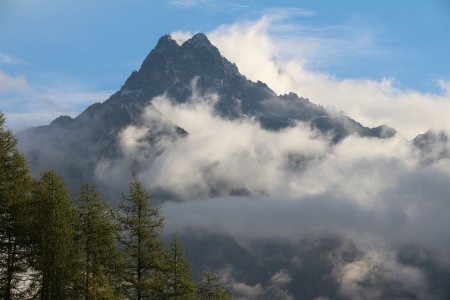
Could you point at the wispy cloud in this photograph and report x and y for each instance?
(26, 105)
(12, 83)
(212, 4)
(288, 12)
(189, 3)
(362, 278)
(8, 59)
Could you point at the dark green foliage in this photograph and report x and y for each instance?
(177, 275)
(15, 183)
(56, 255)
(141, 225)
(97, 236)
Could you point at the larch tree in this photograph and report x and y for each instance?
(141, 225)
(177, 276)
(98, 239)
(56, 256)
(15, 184)
(211, 288)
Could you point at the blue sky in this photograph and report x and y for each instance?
(49, 49)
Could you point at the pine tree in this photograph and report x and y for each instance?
(177, 275)
(15, 184)
(56, 256)
(142, 248)
(98, 237)
(210, 288)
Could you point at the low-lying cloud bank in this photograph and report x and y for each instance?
(235, 177)
(253, 183)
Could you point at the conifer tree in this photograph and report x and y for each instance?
(98, 238)
(15, 184)
(56, 256)
(210, 288)
(177, 275)
(141, 225)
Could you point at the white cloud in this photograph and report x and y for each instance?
(278, 285)
(181, 36)
(218, 149)
(287, 12)
(281, 278)
(7, 59)
(211, 157)
(189, 3)
(241, 290)
(290, 182)
(363, 278)
(11, 83)
(133, 140)
(275, 289)
(276, 52)
(212, 4)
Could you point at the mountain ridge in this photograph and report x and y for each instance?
(239, 97)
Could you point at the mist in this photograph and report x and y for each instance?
(236, 178)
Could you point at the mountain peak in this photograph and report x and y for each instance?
(170, 68)
(165, 42)
(62, 120)
(199, 40)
